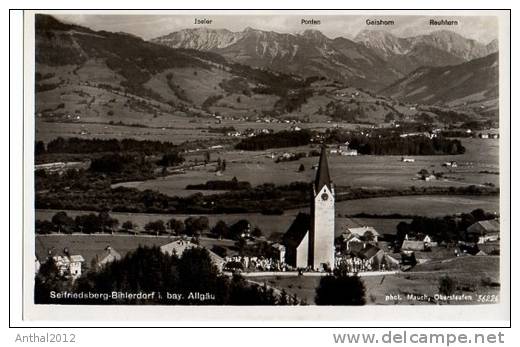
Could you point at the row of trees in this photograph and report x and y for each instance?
(88, 146)
(89, 224)
(380, 144)
(103, 222)
(276, 140)
(232, 184)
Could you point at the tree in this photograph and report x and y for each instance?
(284, 298)
(219, 250)
(62, 222)
(88, 224)
(340, 289)
(179, 227)
(156, 227)
(107, 222)
(171, 159)
(176, 226)
(447, 286)
(257, 232)
(47, 280)
(301, 168)
(207, 157)
(220, 230)
(39, 148)
(241, 246)
(128, 226)
(43, 227)
(240, 229)
(196, 225)
(369, 236)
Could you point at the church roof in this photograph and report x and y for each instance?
(297, 231)
(322, 176)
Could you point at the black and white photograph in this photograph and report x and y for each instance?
(267, 159)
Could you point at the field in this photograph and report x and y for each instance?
(421, 205)
(476, 167)
(473, 276)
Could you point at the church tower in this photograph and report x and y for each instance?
(321, 236)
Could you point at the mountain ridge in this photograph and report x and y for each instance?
(470, 83)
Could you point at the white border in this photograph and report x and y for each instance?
(471, 315)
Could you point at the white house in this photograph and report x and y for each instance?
(69, 265)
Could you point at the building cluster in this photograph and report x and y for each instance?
(254, 264)
(71, 266)
(489, 135)
(249, 132)
(483, 239)
(344, 150)
(358, 250)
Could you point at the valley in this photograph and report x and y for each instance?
(219, 138)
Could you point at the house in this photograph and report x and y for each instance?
(412, 245)
(69, 265)
(109, 255)
(426, 239)
(365, 233)
(349, 153)
(376, 257)
(484, 231)
(450, 164)
(371, 253)
(426, 176)
(178, 247)
(349, 239)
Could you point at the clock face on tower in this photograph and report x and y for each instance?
(324, 196)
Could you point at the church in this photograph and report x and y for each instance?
(309, 241)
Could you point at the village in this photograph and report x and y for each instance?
(308, 248)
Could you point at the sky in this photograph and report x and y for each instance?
(480, 28)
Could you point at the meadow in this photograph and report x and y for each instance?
(473, 275)
(478, 166)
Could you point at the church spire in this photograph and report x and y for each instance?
(322, 176)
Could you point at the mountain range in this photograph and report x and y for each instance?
(374, 58)
(308, 54)
(101, 75)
